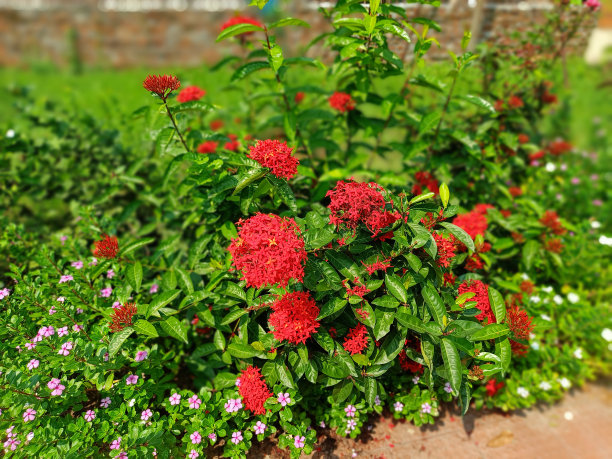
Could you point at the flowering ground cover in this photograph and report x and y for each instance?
(217, 268)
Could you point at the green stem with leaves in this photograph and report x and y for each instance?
(174, 125)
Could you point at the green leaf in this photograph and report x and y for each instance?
(225, 380)
(422, 197)
(434, 303)
(504, 351)
(317, 238)
(428, 122)
(452, 363)
(396, 288)
(333, 367)
(136, 245)
(246, 69)
(173, 327)
(142, 327)
(391, 27)
(386, 301)
(342, 391)
(464, 398)
(478, 101)
(117, 340)
(370, 391)
(444, 194)
(332, 306)
(219, 340)
(530, 251)
(391, 347)
(249, 177)
(460, 234)
(491, 331)
(242, 351)
(237, 29)
(497, 305)
(233, 315)
(160, 301)
(133, 274)
(410, 321)
(284, 191)
(276, 57)
(284, 375)
(184, 281)
(287, 22)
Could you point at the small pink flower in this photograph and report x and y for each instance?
(29, 415)
(4, 293)
(33, 364)
(154, 288)
(52, 311)
(61, 299)
(131, 379)
(77, 327)
(116, 305)
(77, 264)
(193, 454)
(46, 331)
(105, 402)
(284, 399)
(141, 355)
(56, 386)
(593, 4)
(236, 437)
(89, 415)
(350, 411)
(175, 399)
(212, 437)
(62, 331)
(426, 408)
(122, 455)
(79, 311)
(238, 382)
(116, 444)
(399, 406)
(37, 338)
(146, 414)
(196, 438)
(350, 425)
(30, 346)
(93, 262)
(110, 274)
(298, 441)
(259, 428)
(66, 348)
(106, 356)
(66, 278)
(29, 436)
(63, 239)
(12, 444)
(194, 402)
(106, 292)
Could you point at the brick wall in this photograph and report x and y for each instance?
(154, 33)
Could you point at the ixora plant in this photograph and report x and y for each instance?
(270, 282)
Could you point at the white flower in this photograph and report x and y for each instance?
(578, 353)
(595, 224)
(535, 346)
(550, 167)
(535, 299)
(546, 317)
(573, 298)
(131, 402)
(568, 415)
(545, 386)
(558, 299)
(606, 334)
(604, 240)
(547, 289)
(10, 134)
(522, 392)
(565, 383)
(524, 276)
(532, 335)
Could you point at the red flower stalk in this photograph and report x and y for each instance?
(482, 208)
(518, 349)
(551, 220)
(209, 146)
(276, 156)
(356, 340)
(553, 245)
(241, 20)
(537, 155)
(269, 250)
(122, 317)
(515, 102)
(523, 138)
(341, 102)
(253, 390)
(429, 220)
(425, 180)
(294, 318)
(352, 203)
(190, 93)
(449, 279)
(472, 223)
(515, 191)
(233, 144)
(527, 287)
(162, 85)
(446, 249)
(215, 125)
(474, 263)
(362, 313)
(377, 265)
(359, 290)
(558, 147)
(519, 322)
(518, 237)
(481, 291)
(493, 387)
(299, 97)
(408, 364)
(108, 247)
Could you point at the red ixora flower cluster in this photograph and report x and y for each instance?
(122, 317)
(294, 318)
(233, 143)
(425, 180)
(356, 340)
(558, 147)
(377, 265)
(519, 322)
(107, 247)
(481, 297)
(162, 85)
(483, 208)
(253, 390)
(268, 250)
(473, 223)
(209, 146)
(446, 249)
(341, 101)
(190, 93)
(551, 220)
(554, 245)
(241, 20)
(493, 387)
(359, 290)
(407, 364)
(276, 156)
(353, 203)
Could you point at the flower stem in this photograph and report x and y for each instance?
(175, 126)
